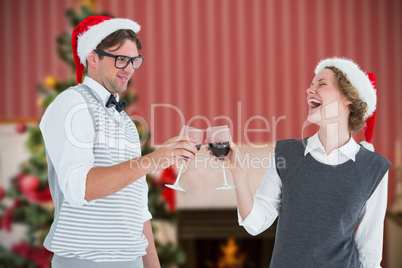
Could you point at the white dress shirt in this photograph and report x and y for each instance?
(369, 234)
(72, 163)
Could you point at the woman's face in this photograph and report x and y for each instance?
(325, 100)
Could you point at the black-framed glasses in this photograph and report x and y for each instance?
(121, 61)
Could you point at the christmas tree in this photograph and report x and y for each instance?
(31, 202)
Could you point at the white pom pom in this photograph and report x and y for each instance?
(367, 145)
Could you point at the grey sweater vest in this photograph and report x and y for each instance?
(321, 205)
(109, 229)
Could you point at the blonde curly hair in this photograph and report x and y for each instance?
(357, 108)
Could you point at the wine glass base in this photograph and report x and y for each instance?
(227, 187)
(174, 187)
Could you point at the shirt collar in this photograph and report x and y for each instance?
(102, 92)
(314, 143)
(349, 150)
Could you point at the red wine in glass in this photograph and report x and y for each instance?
(219, 149)
(218, 139)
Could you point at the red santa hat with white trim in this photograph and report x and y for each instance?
(363, 82)
(88, 34)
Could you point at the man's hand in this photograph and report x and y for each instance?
(178, 150)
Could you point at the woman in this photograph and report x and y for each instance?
(322, 187)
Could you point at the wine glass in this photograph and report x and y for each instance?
(198, 135)
(218, 139)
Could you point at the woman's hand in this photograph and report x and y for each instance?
(234, 159)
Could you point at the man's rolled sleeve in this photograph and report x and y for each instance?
(68, 131)
(74, 191)
(146, 215)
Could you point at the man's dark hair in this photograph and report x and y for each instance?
(118, 38)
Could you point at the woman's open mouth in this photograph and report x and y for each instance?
(314, 103)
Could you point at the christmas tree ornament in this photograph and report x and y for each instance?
(28, 183)
(140, 129)
(40, 102)
(20, 128)
(2, 193)
(88, 34)
(90, 4)
(50, 81)
(168, 176)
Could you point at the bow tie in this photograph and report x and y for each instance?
(118, 105)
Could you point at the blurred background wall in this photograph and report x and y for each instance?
(247, 60)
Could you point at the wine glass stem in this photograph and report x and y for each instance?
(178, 176)
(224, 175)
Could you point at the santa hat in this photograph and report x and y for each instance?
(362, 81)
(369, 128)
(88, 34)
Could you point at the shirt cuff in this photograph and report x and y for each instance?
(251, 222)
(258, 221)
(146, 215)
(240, 219)
(74, 191)
(251, 218)
(368, 265)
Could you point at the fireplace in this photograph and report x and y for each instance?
(212, 238)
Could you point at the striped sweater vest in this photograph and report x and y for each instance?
(109, 229)
(321, 205)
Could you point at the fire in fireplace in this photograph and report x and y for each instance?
(213, 239)
(231, 255)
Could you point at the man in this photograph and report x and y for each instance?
(96, 171)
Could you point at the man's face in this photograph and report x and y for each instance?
(113, 79)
